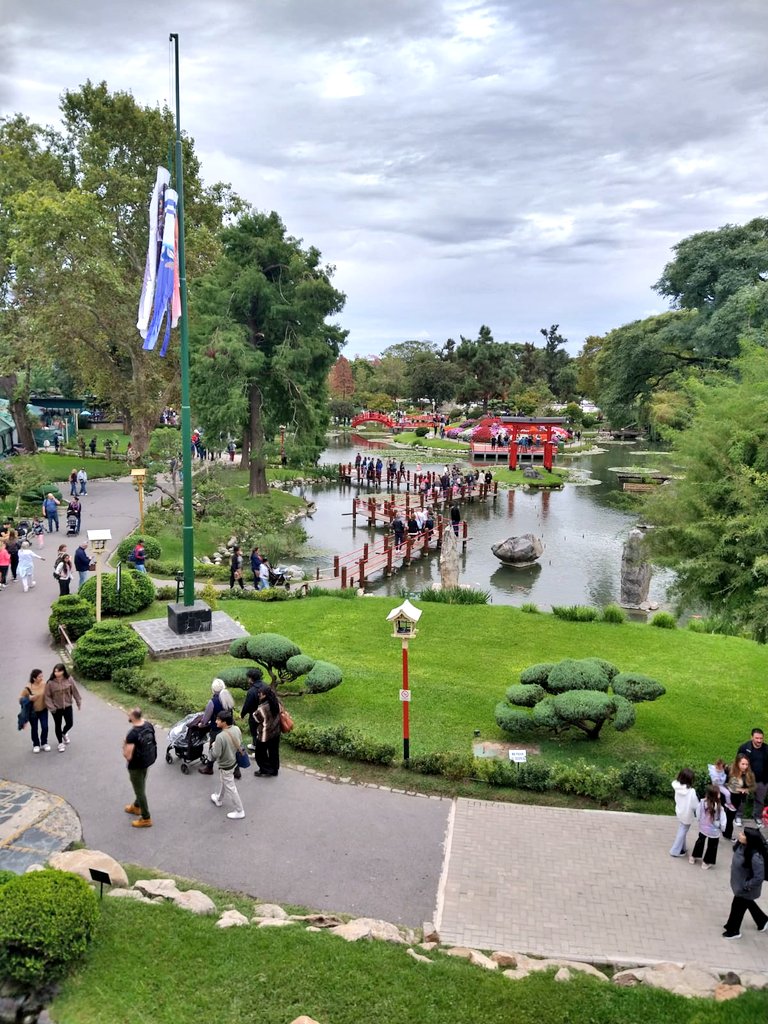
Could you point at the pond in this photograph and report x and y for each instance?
(581, 532)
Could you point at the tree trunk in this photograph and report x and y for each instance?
(245, 448)
(17, 405)
(141, 431)
(257, 467)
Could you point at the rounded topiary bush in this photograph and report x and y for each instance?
(106, 647)
(513, 720)
(72, 612)
(300, 664)
(636, 687)
(136, 592)
(421, 431)
(47, 919)
(609, 670)
(152, 548)
(525, 696)
(537, 673)
(569, 674)
(235, 678)
(323, 676)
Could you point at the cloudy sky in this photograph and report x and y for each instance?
(516, 163)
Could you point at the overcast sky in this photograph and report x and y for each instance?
(461, 162)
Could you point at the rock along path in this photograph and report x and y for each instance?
(555, 882)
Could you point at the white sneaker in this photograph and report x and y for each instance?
(215, 799)
(236, 814)
(46, 746)
(35, 750)
(62, 748)
(33, 583)
(66, 739)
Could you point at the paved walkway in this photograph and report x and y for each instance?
(574, 883)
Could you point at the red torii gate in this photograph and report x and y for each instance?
(533, 427)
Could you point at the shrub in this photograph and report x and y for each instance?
(584, 779)
(636, 687)
(534, 775)
(421, 431)
(152, 547)
(349, 594)
(152, 688)
(455, 595)
(341, 741)
(587, 710)
(537, 674)
(270, 650)
(569, 674)
(165, 593)
(614, 614)
(106, 647)
(323, 676)
(236, 594)
(664, 620)
(513, 720)
(576, 613)
(72, 612)
(47, 919)
(608, 669)
(235, 678)
(7, 876)
(697, 626)
(643, 780)
(530, 608)
(210, 595)
(300, 664)
(128, 679)
(447, 763)
(136, 592)
(525, 696)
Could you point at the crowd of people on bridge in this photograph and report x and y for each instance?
(732, 807)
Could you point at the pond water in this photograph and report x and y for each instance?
(581, 533)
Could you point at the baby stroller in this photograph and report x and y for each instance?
(187, 740)
(278, 577)
(73, 524)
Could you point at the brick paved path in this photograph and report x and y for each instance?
(593, 885)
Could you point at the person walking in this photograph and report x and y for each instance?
(34, 692)
(26, 566)
(686, 805)
(82, 479)
(92, 446)
(74, 508)
(747, 877)
(267, 744)
(228, 741)
(61, 693)
(138, 557)
(73, 483)
(712, 822)
(221, 700)
(51, 512)
(82, 562)
(38, 531)
(264, 573)
(255, 566)
(62, 570)
(140, 752)
(13, 545)
(236, 568)
(5, 564)
(251, 703)
(757, 752)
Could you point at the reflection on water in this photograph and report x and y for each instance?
(581, 533)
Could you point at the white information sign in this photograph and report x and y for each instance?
(405, 696)
(518, 756)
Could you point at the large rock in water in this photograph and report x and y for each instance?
(635, 571)
(522, 550)
(449, 559)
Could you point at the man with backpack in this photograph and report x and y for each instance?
(140, 751)
(137, 557)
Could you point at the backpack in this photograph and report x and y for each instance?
(145, 750)
(132, 557)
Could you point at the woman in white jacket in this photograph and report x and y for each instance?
(686, 806)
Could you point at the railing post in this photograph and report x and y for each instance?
(361, 567)
(365, 551)
(408, 545)
(343, 577)
(389, 561)
(335, 565)
(464, 532)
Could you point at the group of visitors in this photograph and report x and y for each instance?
(56, 695)
(78, 479)
(733, 807)
(65, 567)
(261, 570)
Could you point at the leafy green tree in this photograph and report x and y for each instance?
(77, 231)
(263, 346)
(485, 369)
(711, 526)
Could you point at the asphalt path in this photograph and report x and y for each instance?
(304, 840)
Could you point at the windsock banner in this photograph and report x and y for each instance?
(167, 278)
(156, 206)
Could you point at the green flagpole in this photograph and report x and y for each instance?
(186, 412)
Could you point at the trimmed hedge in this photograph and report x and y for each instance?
(525, 696)
(637, 687)
(570, 674)
(323, 676)
(47, 919)
(152, 688)
(341, 741)
(106, 647)
(537, 673)
(137, 591)
(72, 612)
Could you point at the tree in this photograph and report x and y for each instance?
(262, 346)
(559, 377)
(284, 663)
(575, 695)
(429, 377)
(78, 238)
(341, 382)
(711, 526)
(485, 368)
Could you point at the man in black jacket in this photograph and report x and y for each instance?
(251, 702)
(757, 753)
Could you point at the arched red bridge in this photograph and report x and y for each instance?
(407, 422)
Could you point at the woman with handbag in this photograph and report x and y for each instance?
(267, 718)
(227, 744)
(236, 569)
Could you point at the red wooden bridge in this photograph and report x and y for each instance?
(406, 423)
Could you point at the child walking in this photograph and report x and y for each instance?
(712, 822)
(686, 805)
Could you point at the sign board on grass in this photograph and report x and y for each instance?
(518, 756)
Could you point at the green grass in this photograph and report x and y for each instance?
(464, 658)
(58, 467)
(161, 965)
(516, 476)
(445, 444)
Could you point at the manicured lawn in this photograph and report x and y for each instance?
(445, 444)
(58, 467)
(163, 965)
(465, 656)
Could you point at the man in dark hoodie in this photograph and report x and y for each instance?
(251, 702)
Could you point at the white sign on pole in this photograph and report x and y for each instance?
(518, 756)
(405, 696)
